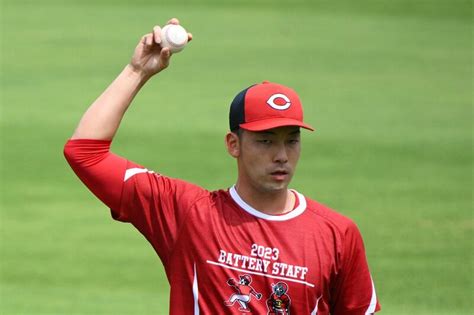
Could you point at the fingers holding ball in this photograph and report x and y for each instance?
(172, 36)
(147, 39)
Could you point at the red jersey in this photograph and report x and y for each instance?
(314, 256)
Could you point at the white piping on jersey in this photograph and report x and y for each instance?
(134, 171)
(373, 301)
(259, 273)
(315, 311)
(195, 293)
(248, 208)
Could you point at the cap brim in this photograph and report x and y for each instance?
(266, 124)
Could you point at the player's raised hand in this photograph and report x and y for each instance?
(150, 57)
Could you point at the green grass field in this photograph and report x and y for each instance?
(387, 84)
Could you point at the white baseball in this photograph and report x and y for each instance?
(174, 37)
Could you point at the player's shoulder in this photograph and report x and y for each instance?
(186, 188)
(163, 185)
(323, 214)
(220, 196)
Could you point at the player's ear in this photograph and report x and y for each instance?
(232, 142)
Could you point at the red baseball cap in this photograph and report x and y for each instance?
(265, 106)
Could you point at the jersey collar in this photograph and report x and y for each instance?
(287, 216)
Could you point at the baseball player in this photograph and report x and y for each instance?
(243, 292)
(257, 227)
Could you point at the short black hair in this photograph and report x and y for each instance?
(238, 132)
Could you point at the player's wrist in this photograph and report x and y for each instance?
(137, 73)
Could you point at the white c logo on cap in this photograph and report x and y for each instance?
(271, 101)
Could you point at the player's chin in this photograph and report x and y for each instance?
(277, 185)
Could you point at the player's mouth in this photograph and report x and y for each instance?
(280, 175)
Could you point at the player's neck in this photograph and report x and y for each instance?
(268, 202)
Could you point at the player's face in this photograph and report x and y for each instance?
(267, 159)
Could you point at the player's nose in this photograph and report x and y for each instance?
(281, 156)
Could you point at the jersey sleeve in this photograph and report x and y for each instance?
(155, 204)
(354, 291)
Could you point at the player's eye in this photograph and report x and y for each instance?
(264, 141)
(293, 141)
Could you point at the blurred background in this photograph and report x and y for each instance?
(387, 84)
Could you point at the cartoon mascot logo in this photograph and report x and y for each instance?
(279, 302)
(243, 292)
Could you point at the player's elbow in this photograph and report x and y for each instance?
(85, 153)
(69, 152)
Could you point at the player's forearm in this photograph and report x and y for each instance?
(103, 117)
